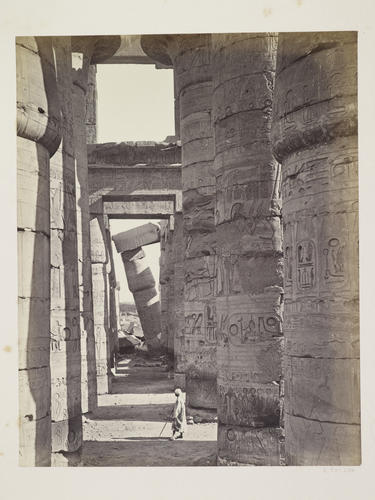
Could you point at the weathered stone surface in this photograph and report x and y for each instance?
(249, 446)
(91, 106)
(248, 267)
(142, 153)
(313, 442)
(142, 284)
(65, 355)
(144, 207)
(86, 50)
(191, 57)
(137, 237)
(314, 137)
(38, 131)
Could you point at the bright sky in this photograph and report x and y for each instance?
(135, 103)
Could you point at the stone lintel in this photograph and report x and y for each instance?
(137, 237)
(139, 208)
(135, 153)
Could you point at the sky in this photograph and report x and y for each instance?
(135, 103)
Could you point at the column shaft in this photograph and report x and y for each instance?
(192, 66)
(100, 290)
(142, 284)
(38, 122)
(81, 59)
(315, 139)
(65, 356)
(249, 254)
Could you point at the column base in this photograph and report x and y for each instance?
(104, 384)
(249, 446)
(66, 459)
(67, 435)
(180, 381)
(201, 393)
(309, 442)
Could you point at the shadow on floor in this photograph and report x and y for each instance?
(147, 412)
(140, 451)
(142, 381)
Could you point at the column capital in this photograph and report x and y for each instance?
(88, 50)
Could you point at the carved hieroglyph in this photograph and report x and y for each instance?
(248, 268)
(196, 356)
(65, 356)
(101, 308)
(39, 135)
(315, 139)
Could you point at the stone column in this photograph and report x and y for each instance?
(100, 285)
(91, 106)
(191, 57)
(249, 254)
(38, 137)
(86, 50)
(164, 283)
(65, 356)
(315, 139)
(112, 284)
(140, 279)
(178, 319)
(142, 285)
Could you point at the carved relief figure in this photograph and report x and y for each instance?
(305, 264)
(334, 261)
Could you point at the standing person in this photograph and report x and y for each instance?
(179, 416)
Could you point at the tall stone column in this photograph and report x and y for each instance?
(140, 279)
(38, 137)
(249, 254)
(178, 319)
(85, 51)
(112, 286)
(165, 283)
(100, 291)
(65, 356)
(315, 139)
(91, 106)
(191, 57)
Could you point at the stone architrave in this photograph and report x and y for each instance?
(38, 138)
(65, 355)
(140, 279)
(248, 272)
(191, 58)
(315, 139)
(86, 50)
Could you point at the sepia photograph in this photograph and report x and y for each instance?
(232, 314)
(189, 210)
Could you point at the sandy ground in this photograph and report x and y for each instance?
(125, 428)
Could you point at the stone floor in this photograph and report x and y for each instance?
(125, 428)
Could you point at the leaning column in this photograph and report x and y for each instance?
(315, 139)
(140, 279)
(191, 57)
(249, 254)
(85, 50)
(38, 137)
